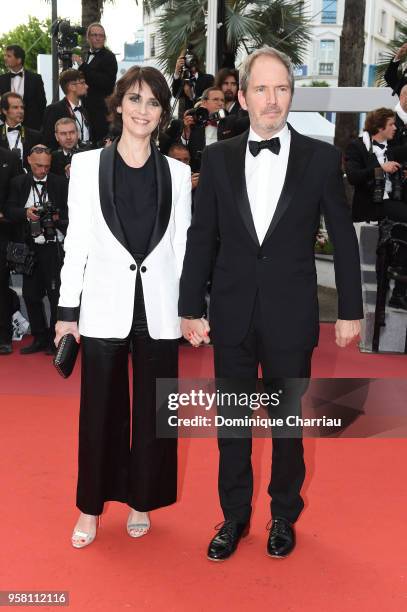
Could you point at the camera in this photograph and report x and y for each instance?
(202, 115)
(190, 62)
(397, 180)
(378, 188)
(46, 224)
(66, 39)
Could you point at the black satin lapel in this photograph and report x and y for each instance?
(164, 197)
(236, 166)
(298, 159)
(106, 193)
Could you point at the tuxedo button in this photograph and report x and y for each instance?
(133, 267)
(143, 269)
(261, 257)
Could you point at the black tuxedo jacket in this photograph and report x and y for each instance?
(34, 97)
(360, 165)
(100, 75)
(29, 138)
(281, 271)
(57, 188)
(56, 111)
(197, 143)
(9, 168)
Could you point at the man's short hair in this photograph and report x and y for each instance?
(178, 146)
(247, 64)
(64, 121)
(377, 119)
(94, 25)
(208, 90)
(18, 51)
(5, 99)
(223, 74)
(69, 76)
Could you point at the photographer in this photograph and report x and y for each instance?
(380, 186)
(14, 136)
(66, 134)
(9, 168)
(205, 130)
(100, 70)
(74, 86)
(38, 205)
(189, 83)
(25, 83)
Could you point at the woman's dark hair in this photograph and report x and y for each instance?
(377, 119)
(140, 74)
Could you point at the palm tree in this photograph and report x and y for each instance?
(392, 46)
(92, 10)
(249, 25)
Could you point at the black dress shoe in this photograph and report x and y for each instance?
(224, 544)
(6, 349)
(38, 344)
(281, 540)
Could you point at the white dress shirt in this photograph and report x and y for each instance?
(211, 134)
(381, 155)
(17, 83)
(14, 139)
(265, 176)
(80, 123)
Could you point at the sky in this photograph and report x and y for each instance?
(120, 20)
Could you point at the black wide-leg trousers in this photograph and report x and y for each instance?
(235, 482)
(115, 463)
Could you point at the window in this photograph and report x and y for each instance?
(327, 45)
(398, 34)
(329, 9)
(326, 68)
(152, 45)
(383, 23)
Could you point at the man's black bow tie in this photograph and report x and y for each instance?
(379, 144)
(273, 145)
(77, 108)
(14, 74)
(40, 183)
(14, 129)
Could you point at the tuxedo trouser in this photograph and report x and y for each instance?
(134, 467)
(44, 281)
(235, 482)
(6, 327)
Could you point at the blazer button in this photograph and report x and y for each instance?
(261, 257)
(143, 269)
(133, 267)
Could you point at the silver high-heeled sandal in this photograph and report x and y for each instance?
(137, 530)
(80, 539)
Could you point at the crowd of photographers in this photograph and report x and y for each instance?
(37, 143)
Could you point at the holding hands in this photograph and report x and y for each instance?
(195, 331)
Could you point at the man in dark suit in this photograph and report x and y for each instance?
(189, 90)
(28, 193)
(14, 136)
(365, 156)
(9, 168)
(100, 70)
(257, 211)
(75, 88)
(28, 84)
(201, 135)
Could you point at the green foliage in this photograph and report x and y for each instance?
(316, 84)
(392, 46)
(249, 25)
(34, 37)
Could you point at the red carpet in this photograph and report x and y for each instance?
(351, 537)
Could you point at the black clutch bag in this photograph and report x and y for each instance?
(66, 355)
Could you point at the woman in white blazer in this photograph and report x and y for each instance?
(129, 211)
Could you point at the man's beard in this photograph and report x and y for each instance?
(229, 96)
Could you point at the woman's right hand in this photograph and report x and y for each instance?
(66, 327)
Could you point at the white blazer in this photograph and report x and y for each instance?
(99, 273)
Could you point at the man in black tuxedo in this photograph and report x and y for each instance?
(75, 88)
(257, 211)
(14, 136)
(28, 192)
(189, 90)
(100, 70)
(66, 133)
(27, 84)
(201, 135)
(9, 168)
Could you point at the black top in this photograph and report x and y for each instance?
(136, 202)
